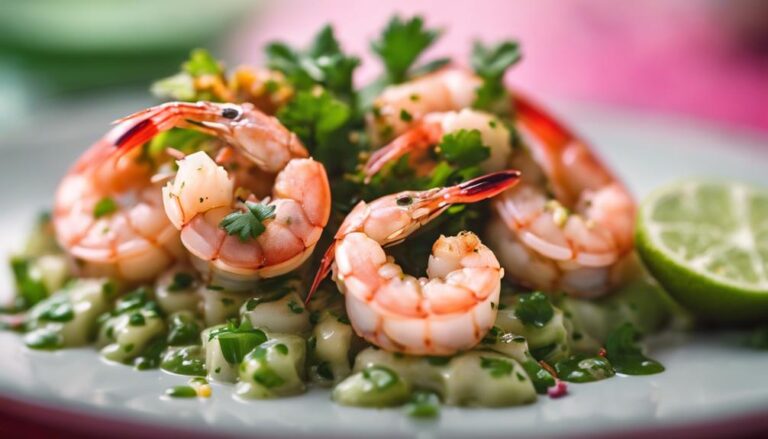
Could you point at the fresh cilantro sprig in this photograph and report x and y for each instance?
(322, 63)
(400, 45)
(490, 63)
(250, 223)
(464, 148)
(181, 86)
(324, 124)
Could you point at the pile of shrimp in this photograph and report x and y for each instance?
(559, 219)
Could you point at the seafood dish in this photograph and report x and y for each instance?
(432, 237)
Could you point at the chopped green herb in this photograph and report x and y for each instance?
(401, 43)
(249, 224)
(465, 147)
(103, 207)
(534, 309)
(295, 307)
(405, 116)
(129, 347)
(181, 281)
(380, 377)
(281, 348)
(237, 341)
(58, 311)
(181, 392)
(626, 356)
(264, 374)
(423, 404)
(136, 319)
(30, 288)
(497, 367)
(43, 339)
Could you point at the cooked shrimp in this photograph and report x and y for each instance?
(568, 226)
(202, 193)
(400, 106)
(108, 216)
(449, 310)
(430, 129)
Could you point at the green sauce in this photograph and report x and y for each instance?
(583, 369)
(183, 330)
(540, 377)
(626, 356)
(185, 361)
(151, 355)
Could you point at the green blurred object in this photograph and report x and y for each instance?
(69, 45)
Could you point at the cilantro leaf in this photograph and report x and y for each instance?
(323, 63)
(322, 123)
(490, 63)
(464, 147)
(103, 207)
(534, 309)
(249, 224)
(200, 63)
(401, 43)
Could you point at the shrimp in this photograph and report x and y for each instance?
(401, 106)
(108, 216)
(430, 129)
(449, 310)
(569, 224)
(202, 193)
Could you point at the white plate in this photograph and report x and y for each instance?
(712, 384)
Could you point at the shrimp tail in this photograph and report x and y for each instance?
(540, 122)
(325, 267)
(420, 137)
(480, 188)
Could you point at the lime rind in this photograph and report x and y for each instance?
(707, 243)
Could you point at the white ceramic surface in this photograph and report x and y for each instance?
(710, 379)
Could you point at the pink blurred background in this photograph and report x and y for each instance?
(704, 58)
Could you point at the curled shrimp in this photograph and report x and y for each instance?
(427, 132)
(399, 107)
(449, 310)
(568, 226)
(108, 215)
(203, 193)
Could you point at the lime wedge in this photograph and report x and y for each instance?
(707, 244)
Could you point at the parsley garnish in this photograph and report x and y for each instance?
(464, 147)
(105, 206)
(322, 123)
(323, 63)
(249, 224)
(534, 309)
(490, 63)
(401, 43)
(200, 63)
